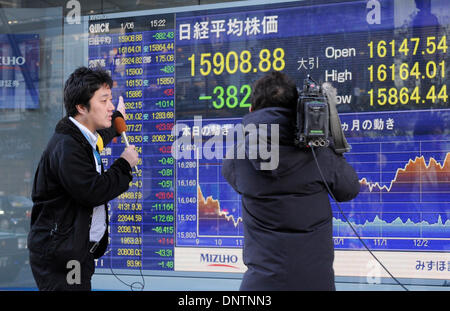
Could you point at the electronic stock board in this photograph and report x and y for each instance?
(189, 73)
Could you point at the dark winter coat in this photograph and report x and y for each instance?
(66, 189)
(286, 212)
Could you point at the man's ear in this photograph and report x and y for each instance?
(250, 109)
(81, 109)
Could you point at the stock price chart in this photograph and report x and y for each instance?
(188, 76)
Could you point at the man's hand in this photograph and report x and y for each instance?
(121, 106)
(130, 155)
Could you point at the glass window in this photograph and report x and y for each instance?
(192, 64)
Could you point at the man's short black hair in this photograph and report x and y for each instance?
(81, 86)
(274, 90)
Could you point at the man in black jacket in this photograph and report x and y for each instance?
(287, 215)
(69, 220)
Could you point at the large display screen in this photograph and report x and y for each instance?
(187, 76)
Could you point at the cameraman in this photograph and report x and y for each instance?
(287, 215)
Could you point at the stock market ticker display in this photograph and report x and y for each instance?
(186, 80)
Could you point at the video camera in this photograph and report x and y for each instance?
(317, 116)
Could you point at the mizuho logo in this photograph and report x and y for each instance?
(12, 60)
(218, 258)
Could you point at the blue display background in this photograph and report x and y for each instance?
(398, 217)
(19, 86)
(385, 138)
(400, 213)
(309, 20)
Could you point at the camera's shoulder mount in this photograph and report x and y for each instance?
(312, 116)
(317, 118)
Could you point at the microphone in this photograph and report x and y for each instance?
(121, 128)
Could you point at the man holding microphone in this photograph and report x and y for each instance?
(69, 221)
